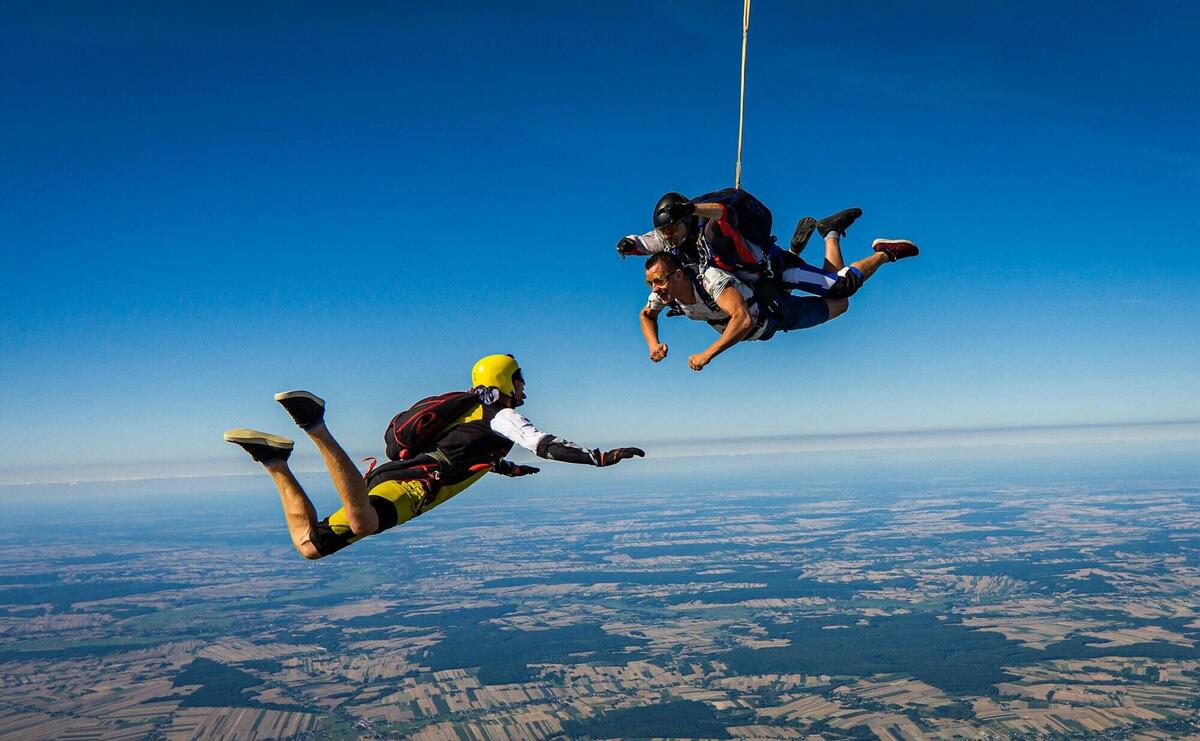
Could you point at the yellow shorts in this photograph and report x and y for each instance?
(396, 502)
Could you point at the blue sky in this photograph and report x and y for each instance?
(202, 205)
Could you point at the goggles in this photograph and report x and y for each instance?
(661, 280)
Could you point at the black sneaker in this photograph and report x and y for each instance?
(839, 222)
(306, 408)
(262, 446)
(804, 230)
(896, 249)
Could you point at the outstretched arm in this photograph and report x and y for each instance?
(630, 246)
(513, 425)
(710, 211)
(642, 244)
(649, 319)
(738, 327)
(557, 449)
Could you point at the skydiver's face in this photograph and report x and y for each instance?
(673, 234)
(661, 279)
(518, 397)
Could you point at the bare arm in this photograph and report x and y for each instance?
(712, 211)
(732, 303)
(649, 320)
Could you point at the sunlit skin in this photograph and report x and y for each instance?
(670, 284)
(659, 278)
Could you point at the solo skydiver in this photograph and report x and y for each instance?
(456, 456)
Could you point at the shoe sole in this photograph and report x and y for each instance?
(895, 241)
(282, 395)
(855, 212)
(804, 228)
(254, 437)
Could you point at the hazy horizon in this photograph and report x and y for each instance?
(959, 443)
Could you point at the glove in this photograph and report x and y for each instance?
(627, 246)
(615, 456)
(681, 211)
(512, 469)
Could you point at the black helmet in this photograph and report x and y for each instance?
(661, 216)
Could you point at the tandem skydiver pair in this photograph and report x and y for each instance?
(714, 259)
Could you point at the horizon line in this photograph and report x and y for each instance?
(941, 430)
(706, 447)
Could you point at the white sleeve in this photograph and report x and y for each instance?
(653, 242)
(716, 280)
(512, 424)
(654, 303)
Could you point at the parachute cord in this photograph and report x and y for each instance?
(737, 178)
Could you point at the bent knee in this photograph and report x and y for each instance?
(837, 306)
(847, 284)
(306, 544)
(364, 524)
(308, 550)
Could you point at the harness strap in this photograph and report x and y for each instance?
(371, 467)
(711, 303)
(441, 458)
(709, 256)
(701, 293)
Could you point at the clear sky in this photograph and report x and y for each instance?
(202, 204)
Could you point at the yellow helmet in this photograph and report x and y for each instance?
(498, 372)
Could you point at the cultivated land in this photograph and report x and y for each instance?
(953, 609)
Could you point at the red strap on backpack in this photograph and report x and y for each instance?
(415, 430)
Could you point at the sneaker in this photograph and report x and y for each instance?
(804, 230)
(839, 222)
(896, 249)
(306, 408)
(262, 446)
